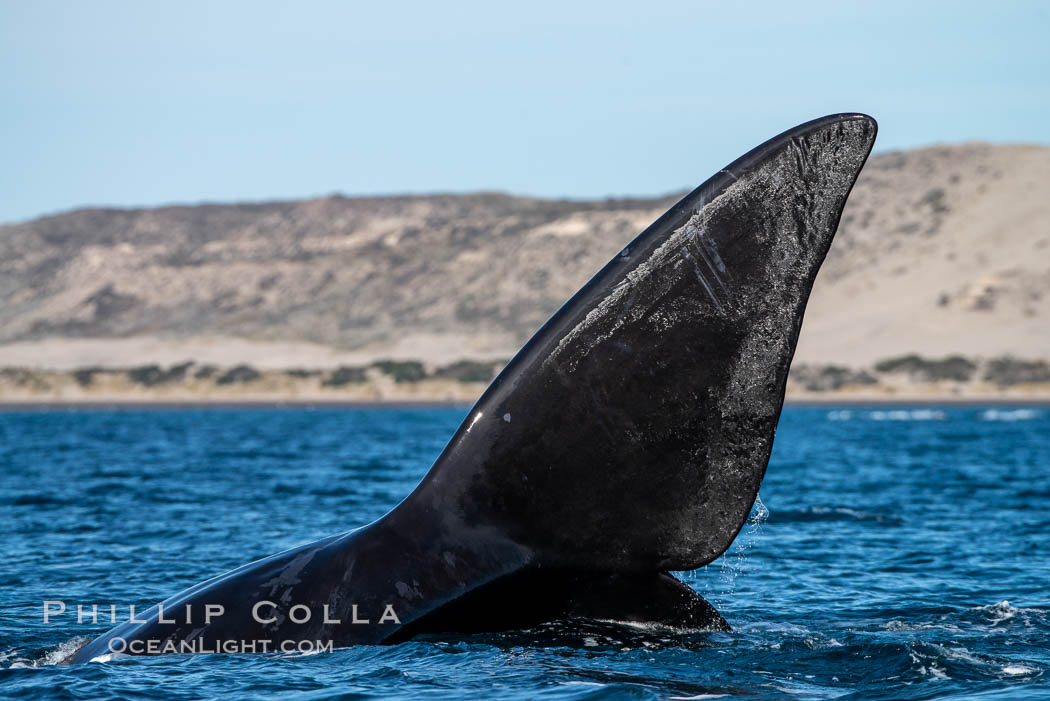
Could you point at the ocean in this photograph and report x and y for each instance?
(895, 553)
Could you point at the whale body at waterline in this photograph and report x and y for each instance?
(626, 440)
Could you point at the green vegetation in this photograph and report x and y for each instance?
(150, 375)
(85, 377)
(935, 199)
(985, 377)
(1006, 371)
(402, 370)
(238, 374)
(468, 371)
(953, 367)
(345, 375)
(828, 378)
(301, 372)
(23, 377)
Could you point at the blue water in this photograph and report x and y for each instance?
(904, 556)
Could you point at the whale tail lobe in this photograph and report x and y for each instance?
(631, 433)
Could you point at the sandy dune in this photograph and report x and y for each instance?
(942, 250)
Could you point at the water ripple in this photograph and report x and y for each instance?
(896, 553)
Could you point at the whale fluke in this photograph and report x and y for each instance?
(626, 439)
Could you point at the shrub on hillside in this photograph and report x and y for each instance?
(238, 374)
(468, 371)
(301, 372)
(150, 375)
(1006, 371)
(345, 375)
(402, 370)
(828, 378)
(953, 367)
(85, 377)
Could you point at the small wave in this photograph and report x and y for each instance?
(976, 619)
(815, 642)
(937, 657)
(1006, 613)
(928, 663)
(654, 628)
(770, 627)
(57, 655)
(578, 683)
(908, 415)
(1000, 612)
(937, 662)
(12, 659)
(585, 633)
(831, 513)
(899, 625)
(1009, 415)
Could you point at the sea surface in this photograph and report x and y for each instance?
(895, 553)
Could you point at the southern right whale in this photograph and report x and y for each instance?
(627, 439)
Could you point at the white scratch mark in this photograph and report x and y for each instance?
(703, 280)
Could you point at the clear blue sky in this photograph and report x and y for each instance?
(143, 103)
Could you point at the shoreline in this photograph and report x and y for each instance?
(951, 402)
(903, 381)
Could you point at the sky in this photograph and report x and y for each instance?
(148, 103)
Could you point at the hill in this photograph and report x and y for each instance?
(942, 250)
